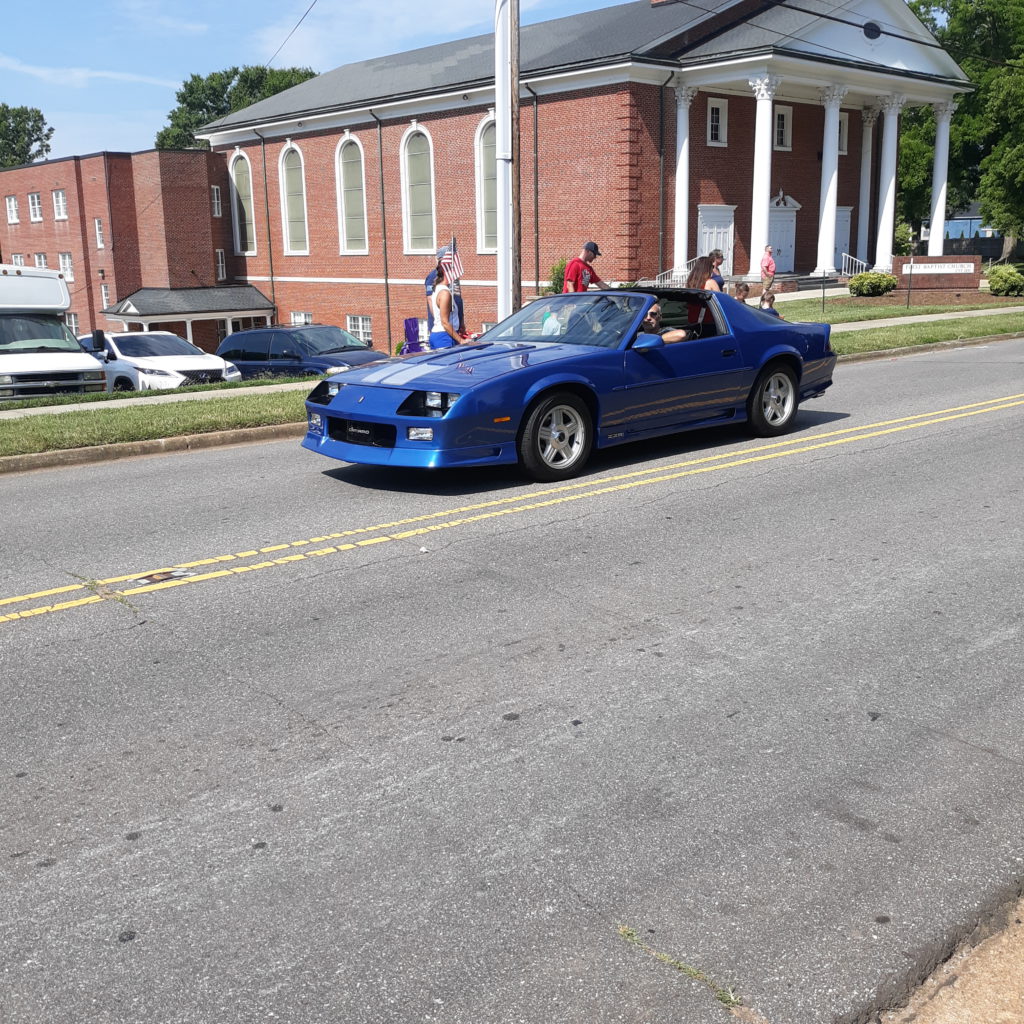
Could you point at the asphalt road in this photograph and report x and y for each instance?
(725, 714)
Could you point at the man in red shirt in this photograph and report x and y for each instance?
(579, 274)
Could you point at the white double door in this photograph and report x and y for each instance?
(782, 239)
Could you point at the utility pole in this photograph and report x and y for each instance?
(506, 127)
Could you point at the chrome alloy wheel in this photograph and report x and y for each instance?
(561, 437)
(778, 398)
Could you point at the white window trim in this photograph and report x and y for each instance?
(787, 144)
(63, 193)
(220, 264)
(35, 211)
(481, 227)
(216, 202)
(17, 259)
(339, 185)
(301, 319)
(406, 230)
(71, 319)
(12, 208)
(105, 295)
(41, 256)
(97, 224)
(67, 266)
(356, 329)
(715, 101)
(844, 133)
(289, 249)
(236, 234)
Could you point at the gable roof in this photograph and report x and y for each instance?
(666, 33)
(190, 301)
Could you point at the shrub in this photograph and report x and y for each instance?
(1005, 281)
(872, 283)
(903, 239)
(557, 278)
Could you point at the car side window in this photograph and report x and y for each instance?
(283, 347)
(253, 347)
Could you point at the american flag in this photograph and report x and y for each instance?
(452, 263)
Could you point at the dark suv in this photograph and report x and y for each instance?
(294, 351)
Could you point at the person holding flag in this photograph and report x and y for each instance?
(430, 282)
(445, 312)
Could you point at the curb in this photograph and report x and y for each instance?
(289, 431)
(157, 446)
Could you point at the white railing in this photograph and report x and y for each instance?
(853, 266)
(677, 276)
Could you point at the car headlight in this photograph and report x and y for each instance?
(337, 369)
(333, 387)
(6, 378)
(428, 403)
(157, 373)
(230, 369)
(88, 375)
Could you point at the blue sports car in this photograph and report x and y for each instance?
(571, 372)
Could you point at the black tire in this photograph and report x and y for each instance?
(557, 437)
(774, 401)
(123, 384)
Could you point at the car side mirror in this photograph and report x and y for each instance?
(99, 342)
(646, 342)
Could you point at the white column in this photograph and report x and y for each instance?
(868, 118)
(681, 234)
(765, 87)
(188, 330)
(891, 107)
(831, 97)
(940, 173)
(503, 145)
(227, 327)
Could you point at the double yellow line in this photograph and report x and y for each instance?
(240, 562)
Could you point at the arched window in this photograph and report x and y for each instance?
(487, 187)
(241, 206)
(293, 202)
(351, 197)
(418, 192)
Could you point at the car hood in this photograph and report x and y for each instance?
(464, 366)
(177, 364)
(347, 356)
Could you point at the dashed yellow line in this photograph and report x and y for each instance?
(497, 507)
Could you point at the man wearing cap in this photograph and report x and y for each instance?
(579, 274)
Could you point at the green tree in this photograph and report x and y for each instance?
(986, 38)
(24, 135)
(205, 99)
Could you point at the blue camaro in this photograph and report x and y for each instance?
(570, 372)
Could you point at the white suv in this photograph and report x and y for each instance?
(156, 360)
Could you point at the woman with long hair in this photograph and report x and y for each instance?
(700, 276)
(446, 313)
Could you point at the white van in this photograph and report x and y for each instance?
(39, 356)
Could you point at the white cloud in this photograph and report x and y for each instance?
(79, 78)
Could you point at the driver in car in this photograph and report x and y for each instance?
(652, 325)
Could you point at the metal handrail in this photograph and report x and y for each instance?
(677, 275)
(853, 266)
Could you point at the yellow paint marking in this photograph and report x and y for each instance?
(506, 506)
(42, 593)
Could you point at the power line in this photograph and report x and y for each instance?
(290, 34)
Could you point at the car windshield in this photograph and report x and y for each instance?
(40, 332)
(142, 344)
(329, 339)
(583, 318)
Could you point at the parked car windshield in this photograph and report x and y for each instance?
(583, 318)
(321, 340)
(26, 332)
(142, 344)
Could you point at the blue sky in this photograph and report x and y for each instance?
(105, 75)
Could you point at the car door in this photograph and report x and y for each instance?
(684, 382)
(253, 353)
(285, 355)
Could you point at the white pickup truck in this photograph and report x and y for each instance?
(39, 356)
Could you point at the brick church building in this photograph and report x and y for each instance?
(659, 129)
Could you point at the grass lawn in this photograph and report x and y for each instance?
(929, 333)
(847, 309)
(87, 427)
